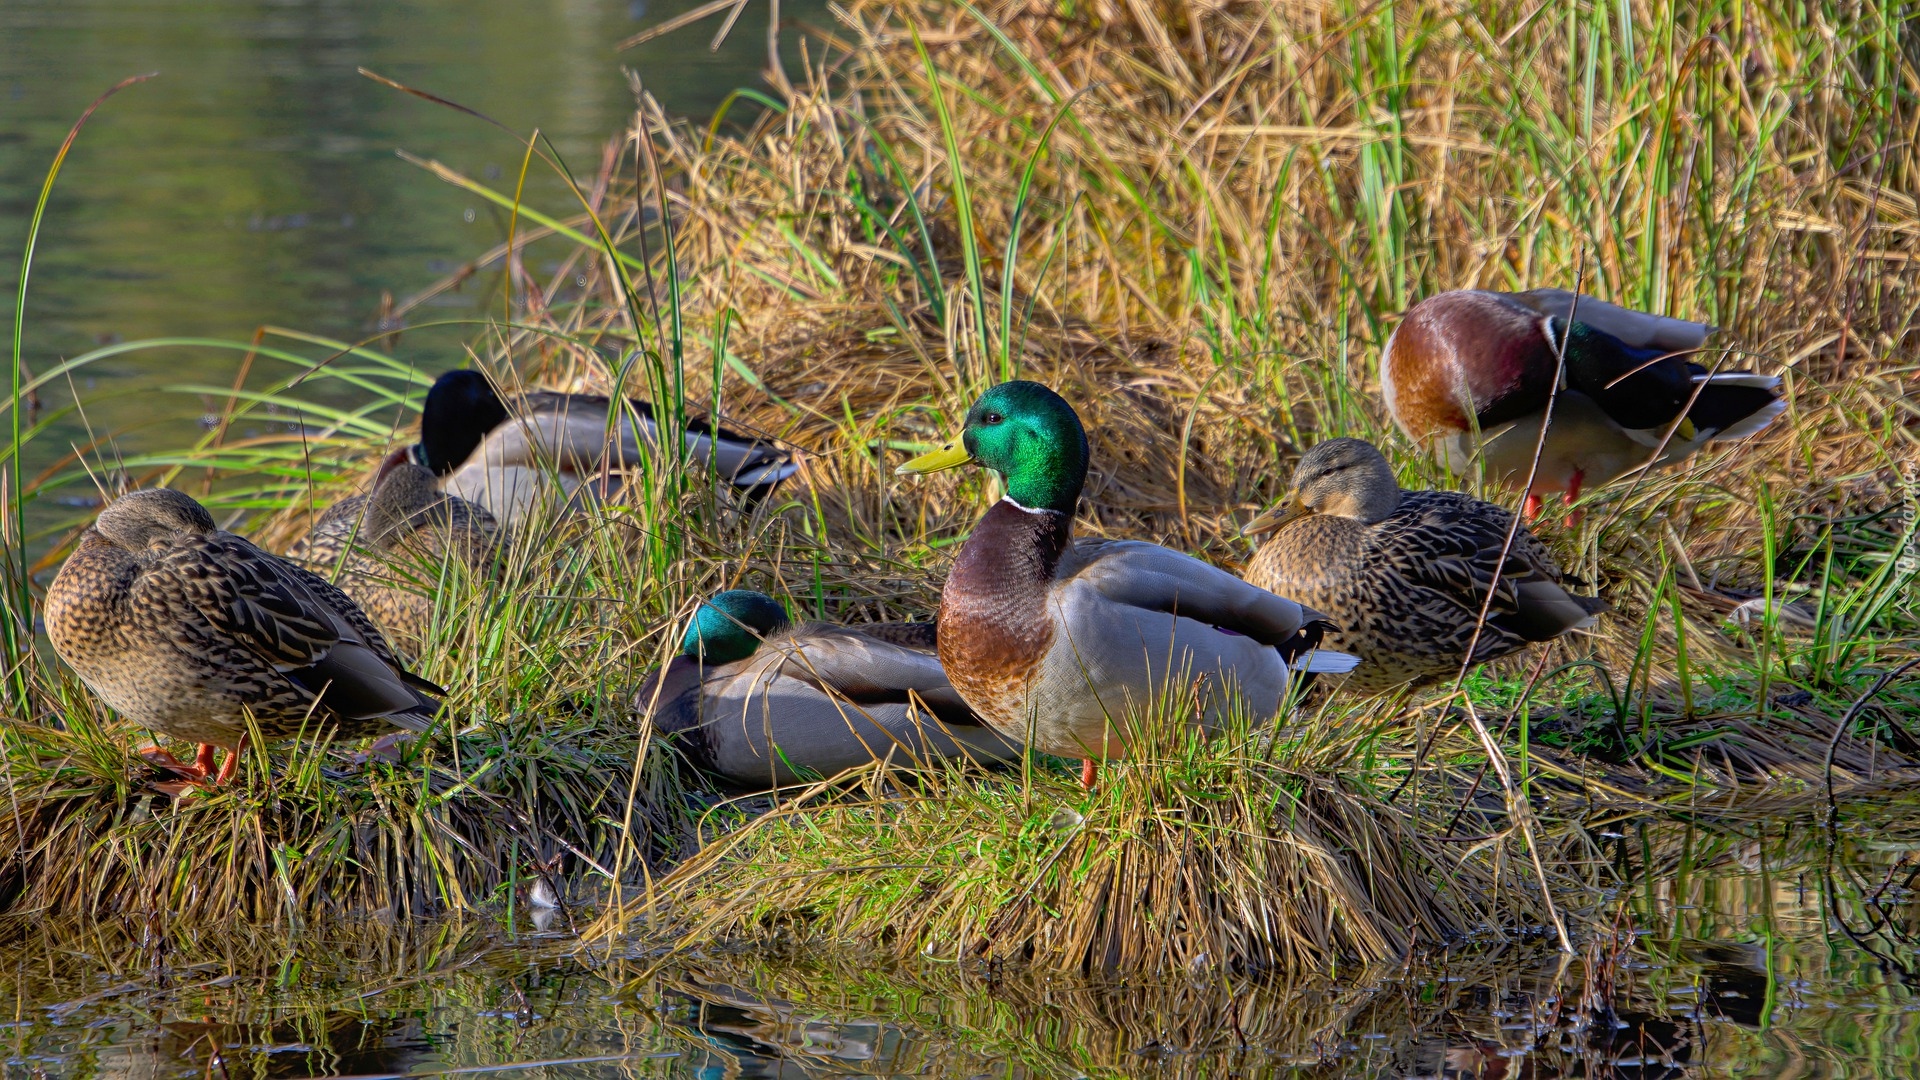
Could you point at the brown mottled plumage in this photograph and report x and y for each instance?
(1404, 574)
(187, 630)
(392, 546)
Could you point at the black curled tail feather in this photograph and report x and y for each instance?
(1736, 404)
(1311, 635)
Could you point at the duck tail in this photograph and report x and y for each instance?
(751, 464)
(1325, 662)
(1303, 653)
(1735, 404)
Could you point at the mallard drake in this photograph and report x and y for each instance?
(189, 630)
(1054, 640)
(390, 548)
(1473, 370)
(512, 455)
(1404, 574)
(761, 703)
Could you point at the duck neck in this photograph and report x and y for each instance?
(1011, 556)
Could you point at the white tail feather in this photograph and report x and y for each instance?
(1326, 662)
(770, 473)
(1739, 378)
(1755, 423)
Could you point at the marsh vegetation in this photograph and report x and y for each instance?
(1196, 221)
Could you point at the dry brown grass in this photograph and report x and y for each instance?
(1235, 200)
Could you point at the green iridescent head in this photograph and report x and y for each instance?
(730, 626)
(1030, 436)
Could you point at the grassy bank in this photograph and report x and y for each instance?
(1196, 221)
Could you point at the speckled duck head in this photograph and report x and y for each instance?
(1346, 478)
(1030, 436)
(731, 625)
(402, 490)
(156, 517)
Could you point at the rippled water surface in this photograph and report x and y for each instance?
(255, 181)
(1746, 951)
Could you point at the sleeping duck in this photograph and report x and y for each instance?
(1470, 373)
(1405, 574)
(195, 633)
(392, 548)
(763, 703)
(1058, 642)
(510, 456)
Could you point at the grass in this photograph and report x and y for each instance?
(1236, 853)
(1196, 221)
(462, 822)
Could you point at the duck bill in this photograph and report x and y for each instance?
(1277, 518)
(951, 456)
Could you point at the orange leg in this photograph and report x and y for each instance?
(201, 772)
(1089, 769)
(232, 764)
(1531, 511)
(1573, 494)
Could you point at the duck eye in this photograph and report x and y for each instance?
(992, 418)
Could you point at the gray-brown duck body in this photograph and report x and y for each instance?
(190, 630)
(1406, 574)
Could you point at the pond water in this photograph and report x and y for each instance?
(1739, 949)
(255, 181)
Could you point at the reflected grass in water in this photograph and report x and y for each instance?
(1730, 971)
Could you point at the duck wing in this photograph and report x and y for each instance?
(1446, 550)
(924, 636)
(296, 623)
(332, 533)
(577, 429)
(1637, 328)
(866, 670)
(1148, 576)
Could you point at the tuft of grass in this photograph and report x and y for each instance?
(1241, 852)
(451, 823)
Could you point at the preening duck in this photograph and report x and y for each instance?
(188, 630)
(1405, 574)
(762, 703)
(392, 548)
(1470, 372)
(511, 455)
(1060, 642)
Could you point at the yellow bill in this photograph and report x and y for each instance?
(1291, 509)
(950, 456)
(1686, 430)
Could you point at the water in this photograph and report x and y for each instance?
(1753, 948)
(255, 181)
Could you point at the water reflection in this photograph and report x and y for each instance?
(1737, 945)
(255, 180)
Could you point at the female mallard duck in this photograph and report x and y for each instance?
(762, 703)
(1054, 640)
(391, 548)
(190, 631)
(1472, 369)
(1405, 574)
(510, 456)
